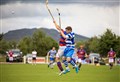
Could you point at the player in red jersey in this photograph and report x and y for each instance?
(10, 56)
(81, 53)
(62, 46)
(111, 56)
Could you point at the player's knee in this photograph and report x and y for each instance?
(63, 58)
(68, 59)
(57, 59)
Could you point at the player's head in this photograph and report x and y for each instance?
(81, 46)
(10, 51)
(111, 49)
(53, 48)
(68, 29)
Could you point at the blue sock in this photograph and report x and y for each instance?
(72, 62)
(65, 63)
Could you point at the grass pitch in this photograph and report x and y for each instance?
(41, 73)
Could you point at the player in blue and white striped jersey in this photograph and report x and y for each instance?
(69, 50)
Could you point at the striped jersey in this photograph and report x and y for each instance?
(62, 40)
(70, 40)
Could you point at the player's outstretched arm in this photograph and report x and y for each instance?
(58, 27)
(63, 35)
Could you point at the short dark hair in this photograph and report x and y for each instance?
(69, 28)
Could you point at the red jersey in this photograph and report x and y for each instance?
(62, 40)
(81, 53)
(11, 54)
(111, 54)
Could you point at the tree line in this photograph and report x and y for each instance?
(102, 44)
(43, 43)
(39, 42)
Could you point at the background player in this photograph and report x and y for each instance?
(81, 53)
(10, 54)
(111, 56)
(51, 55)
(34, 54)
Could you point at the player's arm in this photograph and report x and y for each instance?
(86, 55)
(48, 54)
(58, 27)
(63, 35)
(108, 55)
(115, 55)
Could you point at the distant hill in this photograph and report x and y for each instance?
(20, 33)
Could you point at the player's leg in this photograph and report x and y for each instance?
(75, 61)
(66, 65)
(65, 62)
(111, 63)
(79, 63)
(51, 61)
(32, 60)
(64, 58)
(35, 60)
(69, 59)
(58, 55)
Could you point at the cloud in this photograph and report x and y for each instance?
(93, 2)
(86, 19)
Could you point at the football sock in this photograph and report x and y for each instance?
(60, 66)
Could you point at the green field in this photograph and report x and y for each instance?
(41, 73)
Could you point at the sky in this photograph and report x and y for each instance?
(86, 17)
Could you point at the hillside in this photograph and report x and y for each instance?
(20, 33)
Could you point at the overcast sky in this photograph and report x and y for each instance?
(87, 17)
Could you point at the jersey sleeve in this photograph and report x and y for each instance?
(70, 35)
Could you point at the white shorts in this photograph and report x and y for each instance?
(60, 51)
(79, 60)
(10, 58)
(111, 60)
(75, 58)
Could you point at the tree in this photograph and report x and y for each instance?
(108, 40)
(39, 42)
(26, 45)
(3, 46)
(12, 44)
(80, 43)
(1, 36)
(117, 47)
(93, 45)
(43, 43)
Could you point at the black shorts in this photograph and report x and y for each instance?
(34, 58)
(95, 61)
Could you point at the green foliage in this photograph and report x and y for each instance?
(42, 44)
(93, 44)
(3, 46)
(80, 43)
(39, 42)
(25, 45)
(108, 40)
(12, 44)
(102, 44)
(1, 36)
